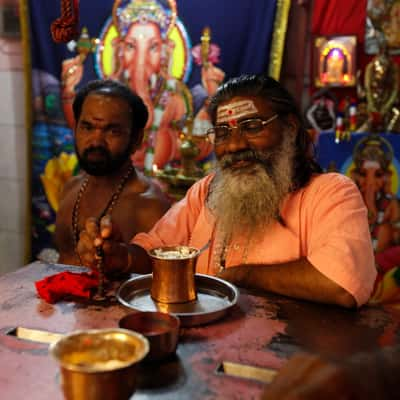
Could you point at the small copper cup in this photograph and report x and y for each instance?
(174, 270)
(99, 364)
(160, 329)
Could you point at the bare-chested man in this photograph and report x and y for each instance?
(109, 127)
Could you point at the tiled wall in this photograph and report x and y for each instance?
(13, 157)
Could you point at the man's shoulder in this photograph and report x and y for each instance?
(205, 181)
(200, 188)
(330, 179)
(69, 195)
(329, 186)
(71, 187)
(74, 182)
(146, 189)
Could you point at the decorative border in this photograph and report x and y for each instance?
(25, 39)
(278, 38)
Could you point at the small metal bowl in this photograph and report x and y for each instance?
(160, 329)
(99, 364)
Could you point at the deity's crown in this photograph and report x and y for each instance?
(143, 11)
(373, 148)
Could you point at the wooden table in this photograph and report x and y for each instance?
(262, 330)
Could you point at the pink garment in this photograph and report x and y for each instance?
(326, 222)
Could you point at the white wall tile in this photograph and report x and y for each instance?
(13, 152)
(11, 55)
(12, 252)
(13, 208)
(12, 104)
(13, 166)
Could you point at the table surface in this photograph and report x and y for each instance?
(261, 330)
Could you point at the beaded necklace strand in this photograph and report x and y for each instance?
(107, 210)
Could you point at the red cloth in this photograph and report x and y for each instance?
(340, 17)
(56, 287)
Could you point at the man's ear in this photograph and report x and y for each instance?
(292, 123)
(138, 140)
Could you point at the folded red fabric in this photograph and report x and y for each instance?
(56, 287)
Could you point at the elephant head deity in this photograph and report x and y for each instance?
(142, 51)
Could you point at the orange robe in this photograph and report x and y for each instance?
(326, 221)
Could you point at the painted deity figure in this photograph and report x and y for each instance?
(335, 66)
(142, 58)
(372, 173)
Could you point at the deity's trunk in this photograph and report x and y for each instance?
(140, 83)
(370, 200)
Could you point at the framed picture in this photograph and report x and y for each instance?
(335, 61)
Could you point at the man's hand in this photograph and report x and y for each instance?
(71, 73)
(310, 377)
(211, 78)
(106, 239)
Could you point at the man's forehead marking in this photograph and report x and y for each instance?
(235, 110)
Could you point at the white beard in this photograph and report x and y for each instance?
(247, 200)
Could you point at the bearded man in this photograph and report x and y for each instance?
(110, 119)
(271, 219)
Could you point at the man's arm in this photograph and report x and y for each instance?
(173, 228)
(62, 237)
(336, 263)
(298, 279)
(372, 376)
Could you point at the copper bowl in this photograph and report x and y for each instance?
(160, 329)
(99, 364)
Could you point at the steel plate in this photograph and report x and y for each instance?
(214, 298)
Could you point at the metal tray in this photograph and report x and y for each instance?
(214, 298)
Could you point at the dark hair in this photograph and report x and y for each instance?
(283, 104)
(113, 88)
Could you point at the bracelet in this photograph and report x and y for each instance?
(68, 96)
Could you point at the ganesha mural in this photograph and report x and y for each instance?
(163, 51)
(374, 174)
(145, 45)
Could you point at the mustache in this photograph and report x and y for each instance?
(246, 155)
(96, 149)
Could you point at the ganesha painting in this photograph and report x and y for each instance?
(375, 176)
(144, 45)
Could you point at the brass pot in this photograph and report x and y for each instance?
(99, 364)
(174, 269)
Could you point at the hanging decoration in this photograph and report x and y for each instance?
(66, 28)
